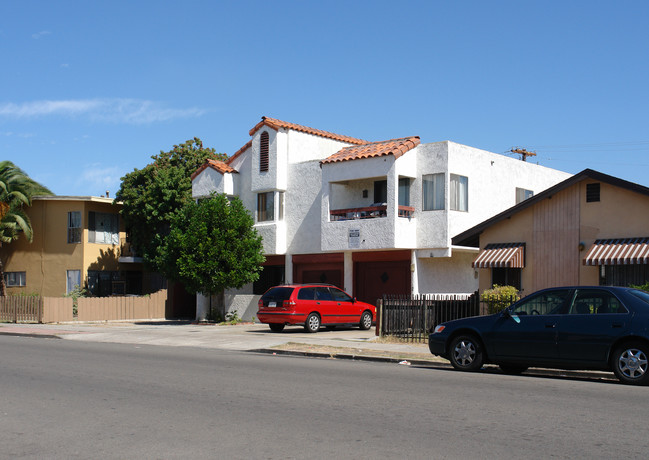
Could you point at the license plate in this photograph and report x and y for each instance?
(272, 304)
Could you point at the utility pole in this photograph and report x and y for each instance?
(523, 153)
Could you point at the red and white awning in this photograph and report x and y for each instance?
(502, 255)
(620, 251)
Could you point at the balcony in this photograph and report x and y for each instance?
(368, 212)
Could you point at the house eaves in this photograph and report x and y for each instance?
(219, 166)
(396, 147)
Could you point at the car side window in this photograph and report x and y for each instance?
(340, 296)
(544, 303)
(307, 293)
(322, 293)
(595, 301)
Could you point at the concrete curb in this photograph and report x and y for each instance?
(591, 375)
(29, 334)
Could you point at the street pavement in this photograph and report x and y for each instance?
(340, 343)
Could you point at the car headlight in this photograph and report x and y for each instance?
(439, 329)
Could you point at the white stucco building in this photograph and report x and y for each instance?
(371, 217)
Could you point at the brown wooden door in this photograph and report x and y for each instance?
(374, 279)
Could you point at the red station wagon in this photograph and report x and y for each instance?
(313, 305)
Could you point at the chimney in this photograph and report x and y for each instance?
(107, 193)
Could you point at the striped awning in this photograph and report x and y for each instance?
(502, 255)
(620, 251)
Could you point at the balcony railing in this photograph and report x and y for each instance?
(368, 212)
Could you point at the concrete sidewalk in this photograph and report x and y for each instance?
(340, 343)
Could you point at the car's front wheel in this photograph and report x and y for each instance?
(466, 353)
(312, 323)
(276, 327)
(366, 321)
(631, 364)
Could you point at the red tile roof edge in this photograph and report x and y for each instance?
(276, 124)
(239, 152)
(217, 165)
(373, 149)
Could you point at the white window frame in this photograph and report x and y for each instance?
(459, 193)
(433, 192)
(72, 280)
(15, 279)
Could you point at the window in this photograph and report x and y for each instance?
(545, 303)
(380, 191)
(263, 151)
(340, 296)
(503, 276)
(73, 280)
(74, 227)
(404, 191)
(623, 275)
(103, 228)
(280, 198)
(590, 302)
(307, 293)
(592, 193)
(523, 194)
(459, 193)
(15, 279)
(433, 191)
(323, 293)
(265, 206)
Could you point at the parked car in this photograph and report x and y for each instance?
(601, 328)
(313, 305)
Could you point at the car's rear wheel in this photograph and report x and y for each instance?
(312, 323)
(276, 327)
(512, 369)
(366, 321)
(631, 363)
(466, 353)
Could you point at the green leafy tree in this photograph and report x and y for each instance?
(16, 192)
(213, 246)
(154, 195)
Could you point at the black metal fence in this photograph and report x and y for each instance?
(414, 317)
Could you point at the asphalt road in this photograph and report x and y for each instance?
(67, 399)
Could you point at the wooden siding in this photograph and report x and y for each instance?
(556, 258)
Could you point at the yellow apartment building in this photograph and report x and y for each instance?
(78, 241)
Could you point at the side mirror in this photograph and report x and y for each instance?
(506, 313)
(353, 299)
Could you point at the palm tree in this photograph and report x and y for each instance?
(16, 191)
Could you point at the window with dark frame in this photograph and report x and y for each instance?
(74, 227)
(265, 207)
(592, 192)
(503, 276)
(263, 151)
(380, 191)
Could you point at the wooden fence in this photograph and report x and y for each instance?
(122, 308)
(21, 309)
(414, 317)
(34, 309)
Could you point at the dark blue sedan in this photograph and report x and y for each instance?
(584, 327)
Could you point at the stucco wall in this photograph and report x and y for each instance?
(447, 275)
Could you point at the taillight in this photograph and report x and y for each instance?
(260, 304)
(289, 303)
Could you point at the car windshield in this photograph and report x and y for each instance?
(278, 293)
(642, 295)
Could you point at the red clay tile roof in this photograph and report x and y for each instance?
(396, 147)
(218, 165)
(239, 152)
(276, 124)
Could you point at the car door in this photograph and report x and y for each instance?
(530, 330)
(325, 305)
(347, 311)
(595, 319)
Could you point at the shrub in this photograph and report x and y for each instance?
(499, 297)
(642, 287)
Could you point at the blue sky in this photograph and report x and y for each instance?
(90, 90)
